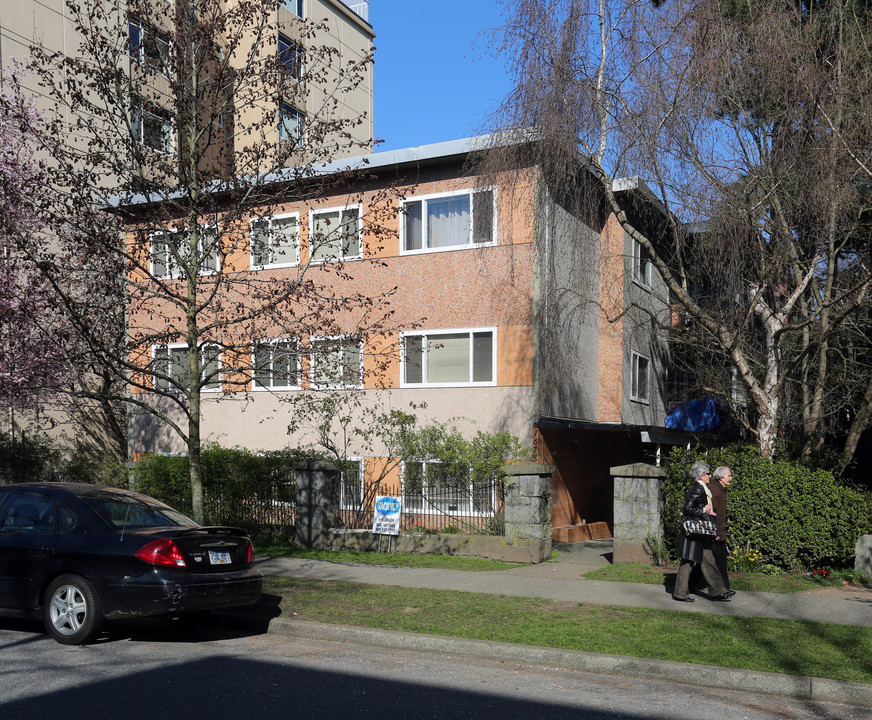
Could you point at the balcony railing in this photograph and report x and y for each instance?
(359, 8)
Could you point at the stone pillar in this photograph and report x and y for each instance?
(863, 552)
(317, 509)
(637, 509)
(527, 500)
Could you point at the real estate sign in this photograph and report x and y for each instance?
(386, 519)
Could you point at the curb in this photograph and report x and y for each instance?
(793, 686)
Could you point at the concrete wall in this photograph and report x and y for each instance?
(637, 511)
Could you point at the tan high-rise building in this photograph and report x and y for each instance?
(340, 30)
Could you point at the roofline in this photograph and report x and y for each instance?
(395, 159)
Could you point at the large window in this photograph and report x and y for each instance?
(292, 124)
(275, 241)
(335, 234)
(429, 486)
(336, 363)
(295, 6)
(152, 127)
(641, 371)
(171, 368)
(448, 221)
(290, 57)
(450, 358)
(277, 364)
(641, 265)
(148, 48)
(171, 249)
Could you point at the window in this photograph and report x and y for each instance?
(275, 241)
(277, 364)
(446, 222)
(292, 124)
(336, 363)
(152, 127)
(290, 57)
(295, 6)
(449, 358)
(640, 377)
(170, 253)
(335, 234)
(171, 369)
(641, 265)
(351, 485)
(27, 514)
(148, 48)
(431, 486)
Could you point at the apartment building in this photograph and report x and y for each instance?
(303, 49)
(508, 312)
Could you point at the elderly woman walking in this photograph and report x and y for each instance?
(696, 547)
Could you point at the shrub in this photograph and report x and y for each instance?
(796, 517)
(239, 487)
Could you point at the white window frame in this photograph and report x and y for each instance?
(635, 360)
(273, 386)
(213, 386)
(138, 54)
(343, 487)
(298, 5)
(290, 64)
(425, 240)
(335, 383)
(641, 266)
(434, 335)
(144, 112)
(287, 109)
(426, 507)
(341, 257)
(294, 257)
(172, 271)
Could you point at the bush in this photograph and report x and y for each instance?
(33, 457)
(796, 518)
(240, 487)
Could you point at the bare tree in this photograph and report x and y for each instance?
(747, 124)
(180, 129)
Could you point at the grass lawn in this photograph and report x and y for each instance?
(816, 649)
(442, 562)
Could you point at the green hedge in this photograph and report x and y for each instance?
(797, 518)
(239, 487)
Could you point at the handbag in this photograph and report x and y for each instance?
(700, 526)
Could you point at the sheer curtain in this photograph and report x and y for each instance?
(448, 221)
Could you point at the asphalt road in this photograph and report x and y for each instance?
(156, 670)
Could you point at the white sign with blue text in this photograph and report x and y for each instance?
(386, 520)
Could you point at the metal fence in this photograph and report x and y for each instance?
(432, 504)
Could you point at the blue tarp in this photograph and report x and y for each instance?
(697, 415)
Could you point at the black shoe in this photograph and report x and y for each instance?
(687, 599)
(723, 597)
(729, 593)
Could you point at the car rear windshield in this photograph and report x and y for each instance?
(131, 513)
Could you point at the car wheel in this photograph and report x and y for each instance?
(71, 610)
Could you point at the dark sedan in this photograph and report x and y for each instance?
(78, 555)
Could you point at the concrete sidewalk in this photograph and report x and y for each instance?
(563, 581)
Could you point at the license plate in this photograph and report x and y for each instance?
(219, 557)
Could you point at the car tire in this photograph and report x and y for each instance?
(71, 610)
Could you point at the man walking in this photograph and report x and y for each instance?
(721, 479)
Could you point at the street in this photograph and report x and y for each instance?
(153, 669)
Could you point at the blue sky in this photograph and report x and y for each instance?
(434, 80)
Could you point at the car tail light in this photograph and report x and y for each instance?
(162, 552)
(249, 558)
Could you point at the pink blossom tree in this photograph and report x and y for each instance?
(34, 350)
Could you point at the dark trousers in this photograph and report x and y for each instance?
(719, 550)
(710, 575)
